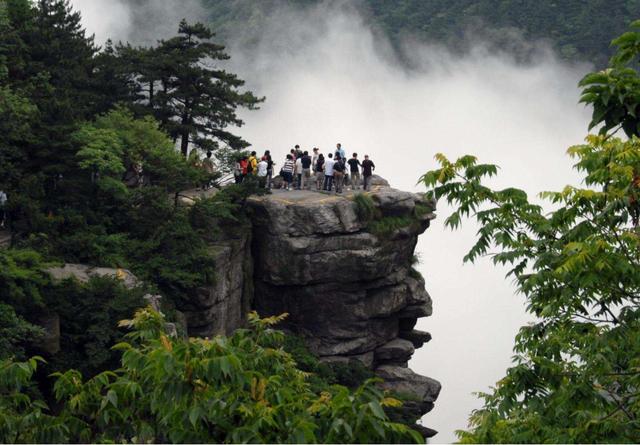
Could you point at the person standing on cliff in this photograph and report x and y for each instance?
(354, 167)
(252, 166)
(368, 168)
(298, 172)
(318, 168)
(270, 164)
(209, 169)
(328, 173)
(306, 161)
(262, 172)
(338, 174)
(287, 172)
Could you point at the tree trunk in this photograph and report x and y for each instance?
(184, 134)
(184, 143)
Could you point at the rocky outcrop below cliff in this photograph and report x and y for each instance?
(347, 281)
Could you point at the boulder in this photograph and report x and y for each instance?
(395, 351)
(394, 202)
(364, 359)
(84, 273)
(404, 381)
(379, 181)
(417, 338)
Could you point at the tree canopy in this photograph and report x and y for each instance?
(576, 370)
(241, 389)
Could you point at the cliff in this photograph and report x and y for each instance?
(340, 266)
(344, 273)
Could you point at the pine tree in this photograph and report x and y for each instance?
(194, 101)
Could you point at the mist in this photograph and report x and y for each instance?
(140, 22)
(329, 77)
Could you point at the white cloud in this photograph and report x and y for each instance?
(141, 22)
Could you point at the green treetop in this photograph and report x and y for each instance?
(193, 99)
(576, 370)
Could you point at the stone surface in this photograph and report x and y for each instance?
(221, 307)
(417, 338)
(365, 359)
(395, 351)
(83, 274)
(404, 381)
(349, 292)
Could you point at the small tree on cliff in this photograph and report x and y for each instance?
(194, 101)
(576, 372)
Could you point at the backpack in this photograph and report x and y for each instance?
(250, 166)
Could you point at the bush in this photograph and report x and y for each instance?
(240, 389)
(15, 333)
(366, 207)
(389, 224)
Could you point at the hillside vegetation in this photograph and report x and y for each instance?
(579, 30)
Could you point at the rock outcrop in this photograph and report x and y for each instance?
(222, 307)
(340, 266)
(347, 282)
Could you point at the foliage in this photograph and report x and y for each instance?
(579, 30)
(615, 92)
(15, 333)
(240, 389)
(178, 83)
(89, 315)
(22, 279)
(351, 374)
(576, 371)
(389, 224)
(366, 207)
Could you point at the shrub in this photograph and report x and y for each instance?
(240, 389)
(366, 207)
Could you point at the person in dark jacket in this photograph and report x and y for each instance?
(367, 171)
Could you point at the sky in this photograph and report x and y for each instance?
(328, 78)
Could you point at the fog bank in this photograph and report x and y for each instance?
(141, 22)
(330, 78)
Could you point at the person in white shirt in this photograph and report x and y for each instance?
(299, 173)
(287, 172)
(328, 173)
(262, 171)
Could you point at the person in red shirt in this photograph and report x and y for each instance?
(244, 162)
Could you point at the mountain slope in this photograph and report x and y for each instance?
(579, 30)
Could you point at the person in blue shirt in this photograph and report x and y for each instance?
(340, 152)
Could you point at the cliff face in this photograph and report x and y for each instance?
(340, 266)
(347, 282)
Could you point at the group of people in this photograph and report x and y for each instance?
(250, 167)
(304, 171)
(301, 170)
